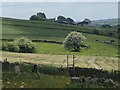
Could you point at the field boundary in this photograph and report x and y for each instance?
(37, 40)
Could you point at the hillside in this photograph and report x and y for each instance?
(100, 55)
(51, 31)
(12, 28)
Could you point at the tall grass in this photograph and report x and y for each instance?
(27, 79)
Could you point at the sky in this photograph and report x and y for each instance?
(60, 0)
(75, 10)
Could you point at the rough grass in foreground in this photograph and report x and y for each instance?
(27, 79)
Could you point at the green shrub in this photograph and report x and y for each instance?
(25, 45)
(13, 47)
(10, 46)
(5, 46)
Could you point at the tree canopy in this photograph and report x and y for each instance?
(70, 21)
(41, 15)
(73, 41)
(34, 17)
(87, 20)
(25, 45)
(61, 19)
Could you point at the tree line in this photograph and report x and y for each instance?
(60, 19)
(86, 22)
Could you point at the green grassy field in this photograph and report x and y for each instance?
(58, 49)
(99, 56)
(44, 30)
(12, 28)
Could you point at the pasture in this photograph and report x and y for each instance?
(14, 28)
(52, 31)
(58, 49)
(100, 55)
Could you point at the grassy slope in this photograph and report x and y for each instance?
(13, 28)
(103, 50)
(40, 29)
(44, 30)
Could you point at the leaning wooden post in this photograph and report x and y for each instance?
(74, 64)
(67, 61)
(73, 60)
(67, 66)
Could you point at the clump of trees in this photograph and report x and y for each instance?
(62, 19)
(39, 16)
(74, 41)
(70, 21)
(23, 45)
(86, 22)
(34, 17)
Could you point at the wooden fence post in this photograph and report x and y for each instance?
(67, 66)
(74, 64)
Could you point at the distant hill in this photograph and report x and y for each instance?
(47, 30)
(112, 22)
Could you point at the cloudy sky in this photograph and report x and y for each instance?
(76, 10)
